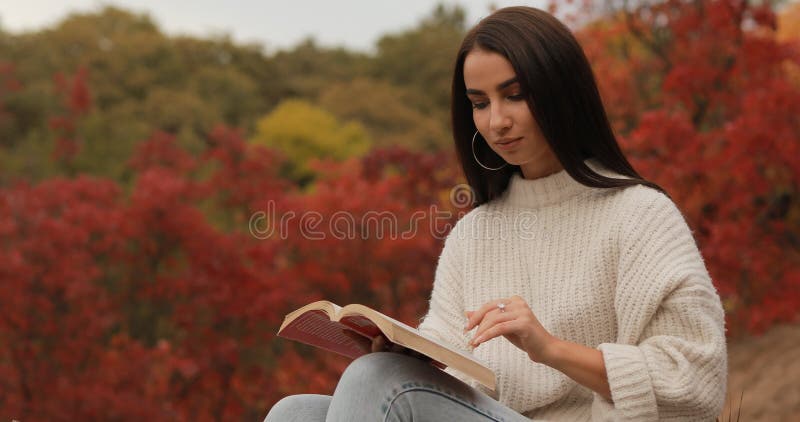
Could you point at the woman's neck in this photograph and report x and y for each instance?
(541, 168)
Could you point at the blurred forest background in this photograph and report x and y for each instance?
(132, 285)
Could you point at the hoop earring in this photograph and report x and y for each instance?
(476, 157)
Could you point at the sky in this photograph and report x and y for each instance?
(276, 24)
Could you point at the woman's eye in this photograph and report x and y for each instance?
(482, 105)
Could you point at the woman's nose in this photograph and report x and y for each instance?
(499, 120)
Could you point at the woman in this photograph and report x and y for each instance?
(598, 308)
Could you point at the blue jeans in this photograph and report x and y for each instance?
(387, 386)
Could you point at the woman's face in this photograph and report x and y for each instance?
(502, 116)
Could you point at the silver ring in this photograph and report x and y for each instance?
(501, 306)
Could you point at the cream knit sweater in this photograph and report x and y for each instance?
(613, 269)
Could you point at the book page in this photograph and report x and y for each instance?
(316, 329)
(433, 340)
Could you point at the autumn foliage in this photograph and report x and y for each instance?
(139, 304)
(159, 298)
(721, 134)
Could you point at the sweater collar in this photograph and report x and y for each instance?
(548, 190)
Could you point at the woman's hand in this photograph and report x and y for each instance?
(519, 325)
(381, 344)
(378, 343)
(516, 322)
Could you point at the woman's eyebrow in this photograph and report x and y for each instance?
(500, 86)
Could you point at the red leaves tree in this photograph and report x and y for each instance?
(76, 101)
(163, 304)
(125, 308)
(700, 93)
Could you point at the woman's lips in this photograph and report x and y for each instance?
(509, 145)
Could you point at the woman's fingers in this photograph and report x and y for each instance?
(477, 316)
(381, 344)
(378, 344)
(501, 328)
(491, 320)
(496, 318)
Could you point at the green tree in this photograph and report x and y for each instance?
(140, 80)
(230, 92)
(307, 68)
(387, 112)
(302, 131)
(422, 58)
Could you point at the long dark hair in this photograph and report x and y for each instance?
(555, 73)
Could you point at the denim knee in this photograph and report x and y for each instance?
(300, 407)
(392, 386)
(374, 368)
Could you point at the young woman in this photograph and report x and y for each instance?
(575, 280)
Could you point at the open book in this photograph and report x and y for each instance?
(325, 325)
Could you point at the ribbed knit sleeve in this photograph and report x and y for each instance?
(445, 318)
(669, 360)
